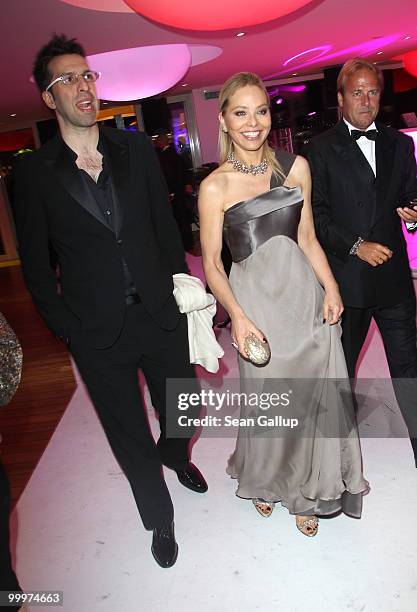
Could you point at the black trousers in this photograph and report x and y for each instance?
(111, 377)
(397, 325)
(8, 580)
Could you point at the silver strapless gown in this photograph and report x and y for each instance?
(320, 472)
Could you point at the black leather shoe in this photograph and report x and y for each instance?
(164, 547)
(192, 478)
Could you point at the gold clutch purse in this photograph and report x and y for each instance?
(258, 352)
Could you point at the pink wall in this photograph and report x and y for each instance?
(206, 112)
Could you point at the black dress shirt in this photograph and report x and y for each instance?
(103, 195)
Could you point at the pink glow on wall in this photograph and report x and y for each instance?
(206, 114)
(286, 89)
(131, 74)
(214, 14)
(293, 88)
(411, 238)
(112, 6)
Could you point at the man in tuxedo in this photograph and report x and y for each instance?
(99, 198)
(364, 184)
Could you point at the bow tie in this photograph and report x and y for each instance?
(370, 134)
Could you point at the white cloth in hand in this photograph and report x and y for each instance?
(200, 307)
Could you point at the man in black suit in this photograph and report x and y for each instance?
(364, 183)
(174, 172)
(98, 197)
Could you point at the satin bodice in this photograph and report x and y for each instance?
(249, 224)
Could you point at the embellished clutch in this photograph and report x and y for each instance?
(258, 352)
(10, 362)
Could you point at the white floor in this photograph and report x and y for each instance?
(78, 531)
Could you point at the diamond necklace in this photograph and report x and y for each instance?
(241, 167)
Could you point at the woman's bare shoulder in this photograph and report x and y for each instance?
(216, 182)
(301, 165)
(300, 171)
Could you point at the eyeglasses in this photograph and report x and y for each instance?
(89, 76)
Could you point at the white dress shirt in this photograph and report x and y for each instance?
(368, 149)
(366, 146)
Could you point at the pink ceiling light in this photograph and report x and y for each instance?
(302, 58)
(132, 74)
(214, 14)
(200, 54)
(410, 62)
(360, 50)
(309, 54)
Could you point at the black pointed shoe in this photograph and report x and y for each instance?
(192, 478)
(164, 547)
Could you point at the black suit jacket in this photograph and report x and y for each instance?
(348, 202)
(52, 205)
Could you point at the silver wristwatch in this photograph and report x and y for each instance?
(355, 247)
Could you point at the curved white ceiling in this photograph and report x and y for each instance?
(112, 6)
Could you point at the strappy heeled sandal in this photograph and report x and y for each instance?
(309, 527)
(264, 508)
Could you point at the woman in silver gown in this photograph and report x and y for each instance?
(280, 288)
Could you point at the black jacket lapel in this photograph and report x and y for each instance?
(348, 149)
(384, 153)
(70, 179)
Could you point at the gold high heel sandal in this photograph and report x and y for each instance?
(309, 526)
(264, 508)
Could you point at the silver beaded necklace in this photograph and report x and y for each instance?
(241, 167)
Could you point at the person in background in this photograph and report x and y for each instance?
(174, 172)
(280, 288)
(185, 152)
(98, 196)
(364, 185)
(10, 373)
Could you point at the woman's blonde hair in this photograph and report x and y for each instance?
(235, 82)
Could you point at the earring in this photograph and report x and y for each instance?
(224, 130)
